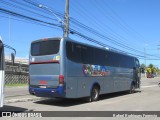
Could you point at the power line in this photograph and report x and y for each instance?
(31, 22)
(86, 27)
(22, 8)
(100, 25)
(25, 17)
(78, 33)
(101, 44)
(122, 22)
(36, 4)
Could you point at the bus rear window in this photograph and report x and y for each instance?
(45, 47)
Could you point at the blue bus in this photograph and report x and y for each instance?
(64, 68)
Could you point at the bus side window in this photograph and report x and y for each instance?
(86, 56)
(73, 51)
(137, 64)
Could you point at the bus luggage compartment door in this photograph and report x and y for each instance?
(44, 75)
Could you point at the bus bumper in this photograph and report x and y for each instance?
(47, 92)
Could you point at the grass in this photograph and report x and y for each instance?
(15, 85)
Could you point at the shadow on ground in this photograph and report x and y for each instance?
(74, 102)
(11, 109)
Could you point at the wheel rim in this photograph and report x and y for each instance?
(95, 93)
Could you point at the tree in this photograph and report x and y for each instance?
(152, 69)
(151, 66)
(143, 66)
(158, 70)
(149, 70)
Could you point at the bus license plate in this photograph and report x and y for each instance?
(42, 86)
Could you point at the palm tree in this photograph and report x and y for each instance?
(151, 69)
(151, 66)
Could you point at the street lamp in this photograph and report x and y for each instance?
(66, 17)
(48, 9)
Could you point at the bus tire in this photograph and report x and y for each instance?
(132, 88)
(94, 94)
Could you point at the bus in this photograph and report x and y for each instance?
(2, 70)
(1, 74)
(64, 68)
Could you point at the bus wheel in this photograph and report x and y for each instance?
(94, 94)
(132, 88)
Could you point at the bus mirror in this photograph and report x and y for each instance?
(1, 45)
(12, 58)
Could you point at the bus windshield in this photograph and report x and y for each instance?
(47, 47)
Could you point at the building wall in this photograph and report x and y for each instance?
(16, 74)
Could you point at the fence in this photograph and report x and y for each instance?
(16, 74)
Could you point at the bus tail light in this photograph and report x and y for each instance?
(61, 80)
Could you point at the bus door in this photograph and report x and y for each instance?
(1, 74)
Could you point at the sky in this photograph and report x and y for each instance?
(133, 23)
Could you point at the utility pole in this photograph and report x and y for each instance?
(66, 20)
(145, 60)
(145, 56)
(9, 27)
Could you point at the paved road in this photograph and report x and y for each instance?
(16, 91)
(147, 100)
(150, 81)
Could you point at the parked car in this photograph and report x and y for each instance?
(150, 75)
(154, 75)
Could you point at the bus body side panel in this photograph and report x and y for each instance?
(108, 81)
(111, 70)
(122, 78)
(78, 85)
(72, 75)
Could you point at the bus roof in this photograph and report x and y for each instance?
(44, 39)
(69, 39)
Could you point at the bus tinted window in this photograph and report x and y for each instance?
(45, 47)
(87, 55)
(94, 56)
(73, 51)
(100, 57)
(137, 63)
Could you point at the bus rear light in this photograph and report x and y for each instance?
(43, 82)
(61, 79)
